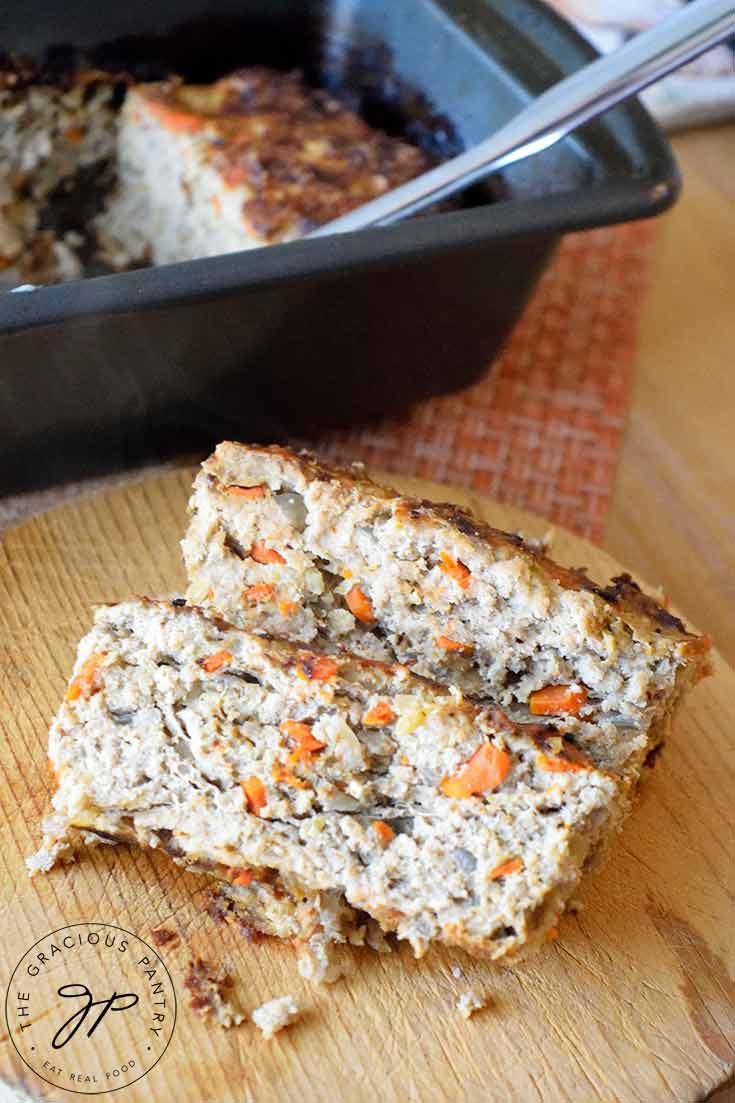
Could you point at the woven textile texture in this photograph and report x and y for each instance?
(542, 430)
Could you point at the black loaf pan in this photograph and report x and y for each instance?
(100, 373)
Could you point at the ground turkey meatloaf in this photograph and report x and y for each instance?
(255, 158)
(57, 140)
(327, 558)
(334, 785)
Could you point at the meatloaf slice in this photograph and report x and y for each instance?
(253, 159)
(329, 783)
(327, 558)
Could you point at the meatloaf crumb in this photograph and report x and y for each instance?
(212, 996)
(163, 936)
(274, 1015)
(469, 1002)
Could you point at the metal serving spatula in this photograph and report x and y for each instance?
(565, 106)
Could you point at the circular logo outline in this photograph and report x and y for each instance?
(88, 924)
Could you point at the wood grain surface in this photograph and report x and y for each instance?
(634, 1002)
(672, 514)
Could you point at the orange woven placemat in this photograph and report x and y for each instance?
(543, 428)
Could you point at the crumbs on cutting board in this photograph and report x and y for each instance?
(469, 1002)
(222, 910)
(274, 1015)
(317, 962)
(212, 995)
(163, 936)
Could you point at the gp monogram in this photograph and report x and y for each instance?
(90, 1008)
(68, 1029)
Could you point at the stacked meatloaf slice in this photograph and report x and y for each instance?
(253, 159)
(321, 790)
(329, 559)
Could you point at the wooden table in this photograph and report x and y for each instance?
(672, 517)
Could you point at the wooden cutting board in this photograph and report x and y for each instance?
(634, 1002)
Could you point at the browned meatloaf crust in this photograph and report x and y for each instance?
(255, 158)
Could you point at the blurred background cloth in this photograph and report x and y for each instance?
(702, 91)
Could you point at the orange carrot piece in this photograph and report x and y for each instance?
(241, 877)
(384, 831)
(245, 491)
(700, 645)
(74, 134)
(456, 569)
(86, 682)
(303, 735)
(215, 662)
(379, 715)
(506, 868)
(281, 773)
(324, 669)
(569, 761)
(452, 645)
(317, 668)
(263, 554)
(486, 769)
(360, 605)
(552, 700)
(553, 932)
(287, 608)
(176, 119)
(255, 794)
(258, 593)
